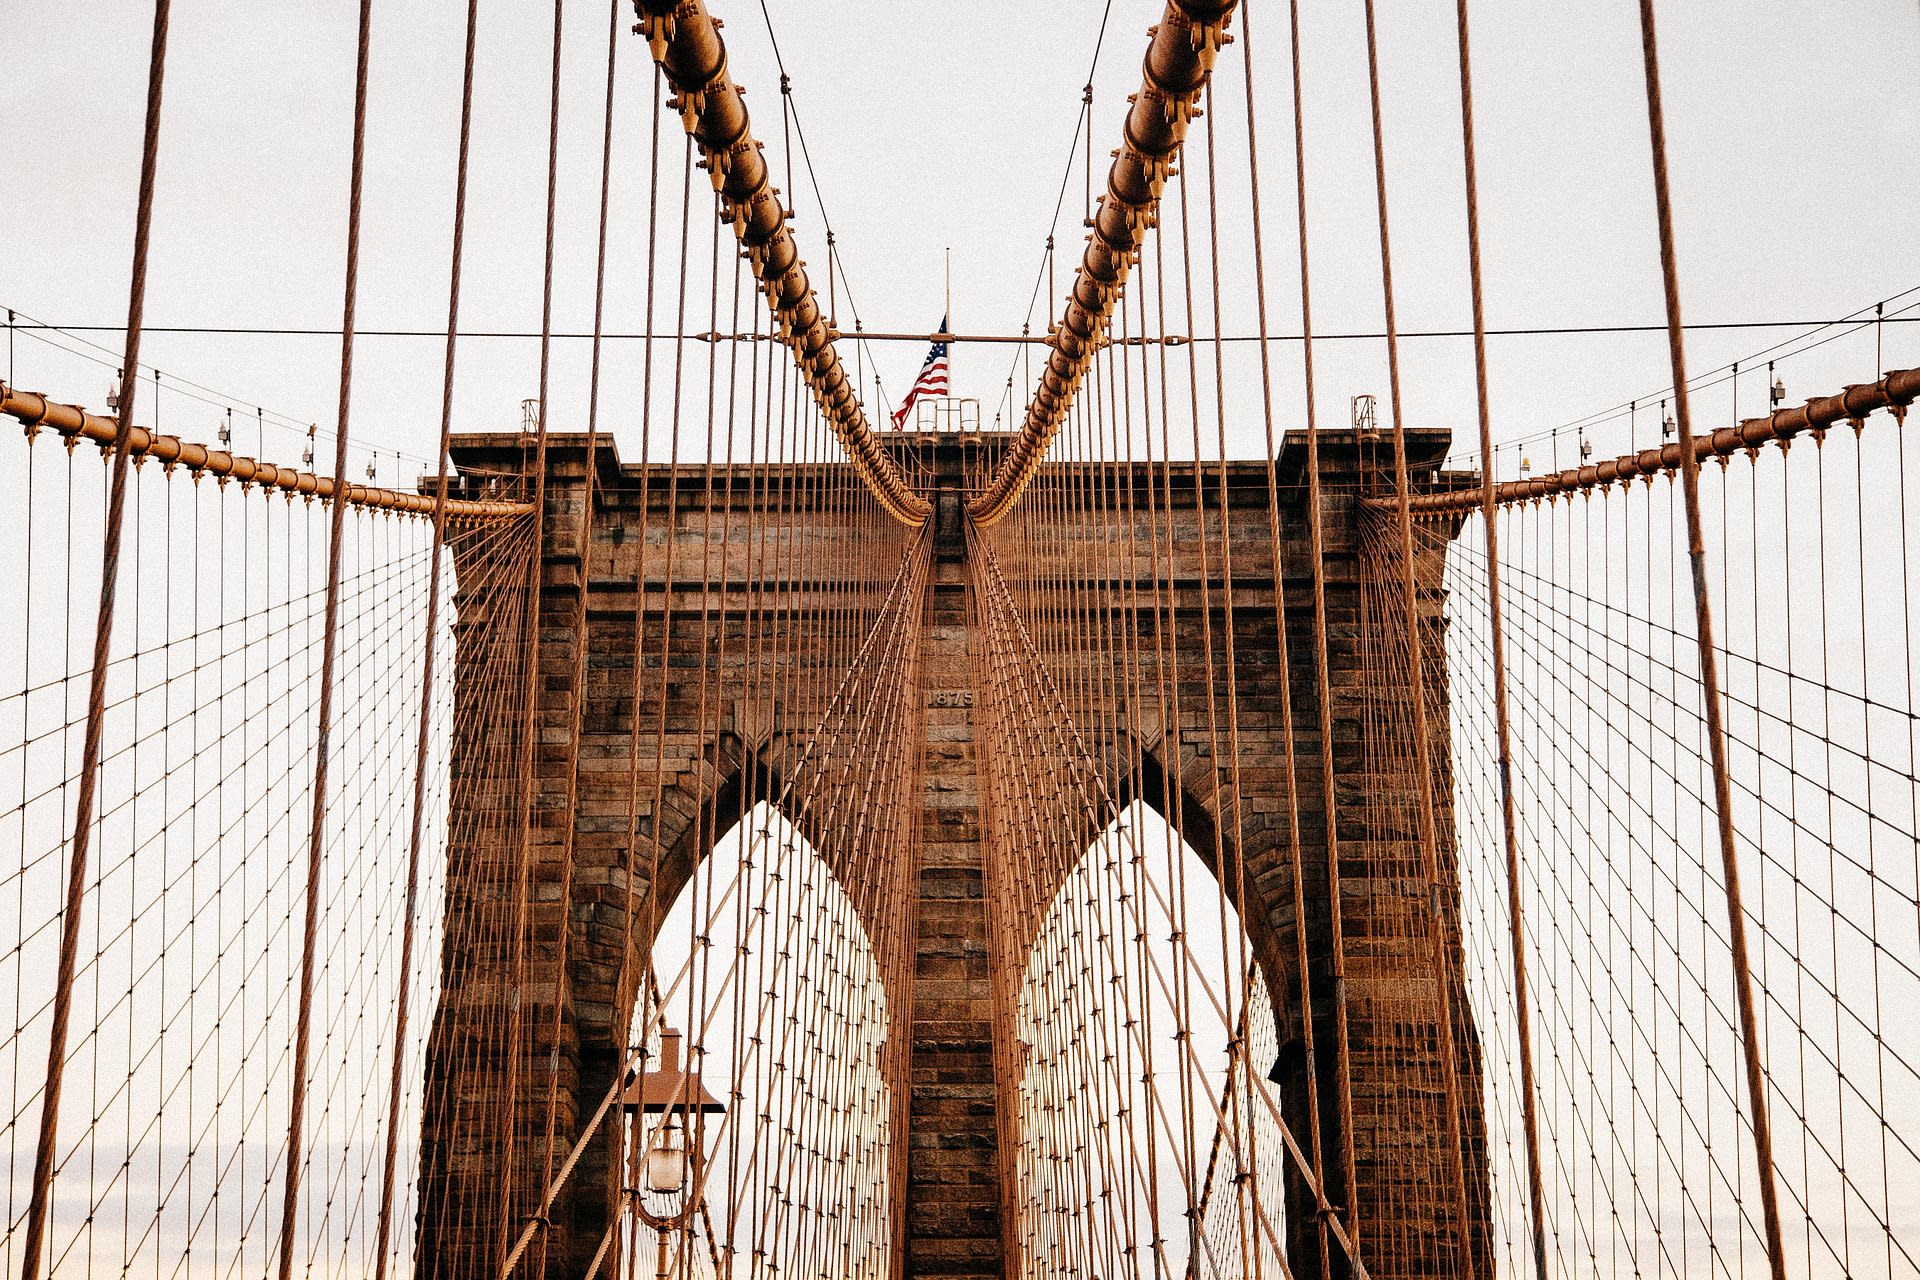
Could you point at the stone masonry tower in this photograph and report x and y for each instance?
(952, 1185)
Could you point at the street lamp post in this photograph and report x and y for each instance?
(664, 1157)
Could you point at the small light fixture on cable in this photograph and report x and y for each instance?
(1778, 392)
(306, 455)
(1666, 422)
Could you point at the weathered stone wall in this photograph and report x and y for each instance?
(779, 550)
(954, 1210)
(1137, 677)
(725, 608)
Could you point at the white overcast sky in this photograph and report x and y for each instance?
(1793, 130)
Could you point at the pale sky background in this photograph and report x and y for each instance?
(934, 126)
(1791, 130)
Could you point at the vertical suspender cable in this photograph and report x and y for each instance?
(570, 764)
(40, 1201)
(384, 1224)
(1504, 745)
(530, 687)
(584, 530)
(1709, 660)
(1343, 1072)
(329, 647)
(1316, 552)
(1336, 925)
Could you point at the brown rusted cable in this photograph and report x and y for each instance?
(520, 940)
(1179, 62)
(75, 422)
(570, 770)
(41, 1198)
(1044, 707)
(1343, 1097)
(1496, 627)
(499, 684)
(429, 647)
(593, 417)
(1709, 658)
(1323, 697)
(656, 911)
(1233, 882)
(329, 651)
(685, 41)
(1895, 391)
(631, 843)
(1415, 670)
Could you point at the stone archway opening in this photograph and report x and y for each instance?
(1135, 1018)
(762, 966)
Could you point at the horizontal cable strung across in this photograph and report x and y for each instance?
(75, 423)
(1734, 374)
(180, 387)
(919, 336)
(1894, 392)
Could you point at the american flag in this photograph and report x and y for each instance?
(931, 382)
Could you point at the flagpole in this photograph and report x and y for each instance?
(947, 325)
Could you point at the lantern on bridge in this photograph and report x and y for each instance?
(663, 1159)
